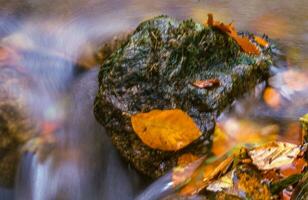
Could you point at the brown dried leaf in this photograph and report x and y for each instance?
(242, 41)
(246, 45)
(167, 130)
(206, 83)
(274, 155)
(210, 19)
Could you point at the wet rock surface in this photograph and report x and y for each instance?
(16, 126)
(156, 68)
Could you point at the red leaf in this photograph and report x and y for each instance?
(206, 83)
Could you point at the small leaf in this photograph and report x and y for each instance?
(167, 130)
(274, 155)
(261, 41)
(206, 83)
(210, 20)
(246, 45)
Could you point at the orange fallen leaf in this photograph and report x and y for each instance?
(206, 83)
(167, 130)
(210, 19)
(261, 41)
(246, 45)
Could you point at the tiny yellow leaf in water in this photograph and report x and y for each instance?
(167, 130)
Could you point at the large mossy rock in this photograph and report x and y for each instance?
(155, 69)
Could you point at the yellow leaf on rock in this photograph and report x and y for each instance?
(246, 45)
(167, 130)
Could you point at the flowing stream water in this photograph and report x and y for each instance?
(56, 42)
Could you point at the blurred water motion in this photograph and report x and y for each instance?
(54, 43)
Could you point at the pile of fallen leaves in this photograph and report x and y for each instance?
(274, 170)
(252, 166)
